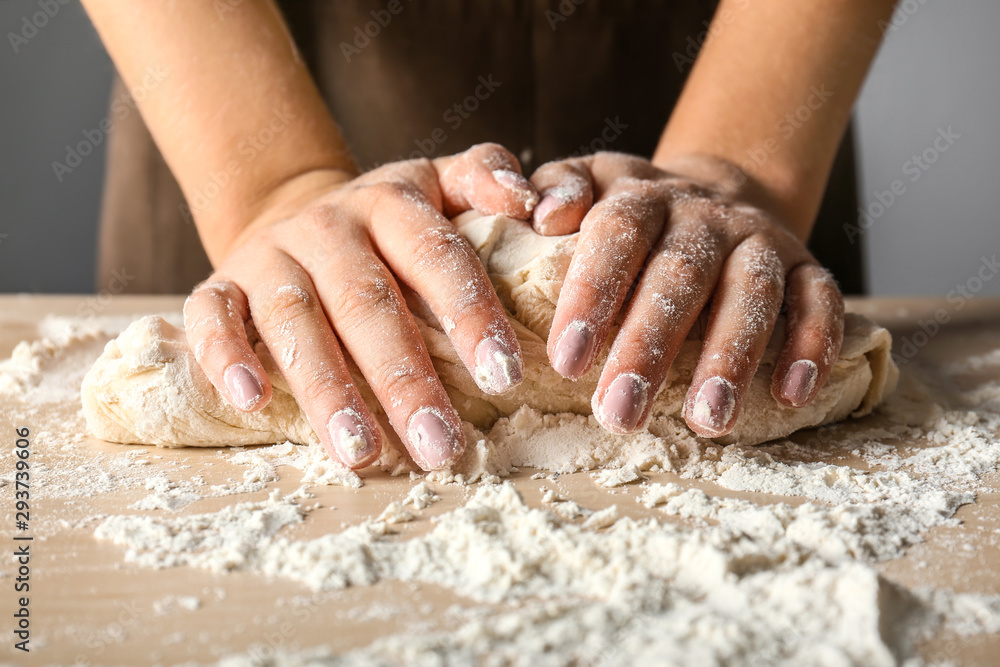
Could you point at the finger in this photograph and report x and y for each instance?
(486, 177)
(214, 317)
(745, 307)
(423, 248)
(290, 319)
(675, 286)
(616, 236)
(567, 194)
(814, 334)
(371, 319)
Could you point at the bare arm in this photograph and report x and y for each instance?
(771, 92)
(229, 76)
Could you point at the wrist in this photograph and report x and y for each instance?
(775, 191)
(226, 226)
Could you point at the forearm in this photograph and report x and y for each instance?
(772, 92)
(235, 104)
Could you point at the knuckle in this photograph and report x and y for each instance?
(316, 217)
(287, 303)
(315, 222)
(687, 193)
(638, 186)
(813, 335)
(685, 263)
(762, 268)
(214, 314)
(392, 191)
(211, 344)
(316, 388)
(488, 147)
(398, 380)
(441, 248)
(209, 295)
(636, 201)
(362, 300)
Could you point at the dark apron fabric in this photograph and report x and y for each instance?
(546, 79)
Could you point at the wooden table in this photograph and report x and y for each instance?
(89, 607)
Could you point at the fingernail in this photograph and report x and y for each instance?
(497, 370)
(573, 350)
(714, 405)
(624, 402)
(243, 386)
(351, 438)
(799, 382)
(432, 439)
(519, 185)
(549, 203)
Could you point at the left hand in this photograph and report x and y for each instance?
(692, 233)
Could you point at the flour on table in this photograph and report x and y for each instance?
(609, 588)
(600, 588)
(690, 583)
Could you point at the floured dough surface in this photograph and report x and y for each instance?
(147, 388)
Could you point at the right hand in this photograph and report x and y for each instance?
(319, 273)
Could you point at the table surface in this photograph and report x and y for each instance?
(88, 604)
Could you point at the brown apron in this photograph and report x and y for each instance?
(545, 78)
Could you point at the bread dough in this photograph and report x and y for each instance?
(147, 388)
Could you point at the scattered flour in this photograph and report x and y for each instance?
(167, 495)
(564, 584)
(172, 603)
(612, 590)
(421, 496)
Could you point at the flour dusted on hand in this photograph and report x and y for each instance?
(147, 387)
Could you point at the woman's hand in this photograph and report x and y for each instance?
(320, 271)
(690, 235)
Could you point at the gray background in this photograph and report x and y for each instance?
(937, 69)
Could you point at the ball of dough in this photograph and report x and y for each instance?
(147, 388)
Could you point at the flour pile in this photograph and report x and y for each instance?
(593, 588)
(638, 589)
(702, 578)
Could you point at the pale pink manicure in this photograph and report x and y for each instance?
(351, 438)
(433, 442)
(573, 350)
(549, 203)
(800, 382)
(624, 402)
(243, 386)
(714, 404)
(497, 370)
(518, 184)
